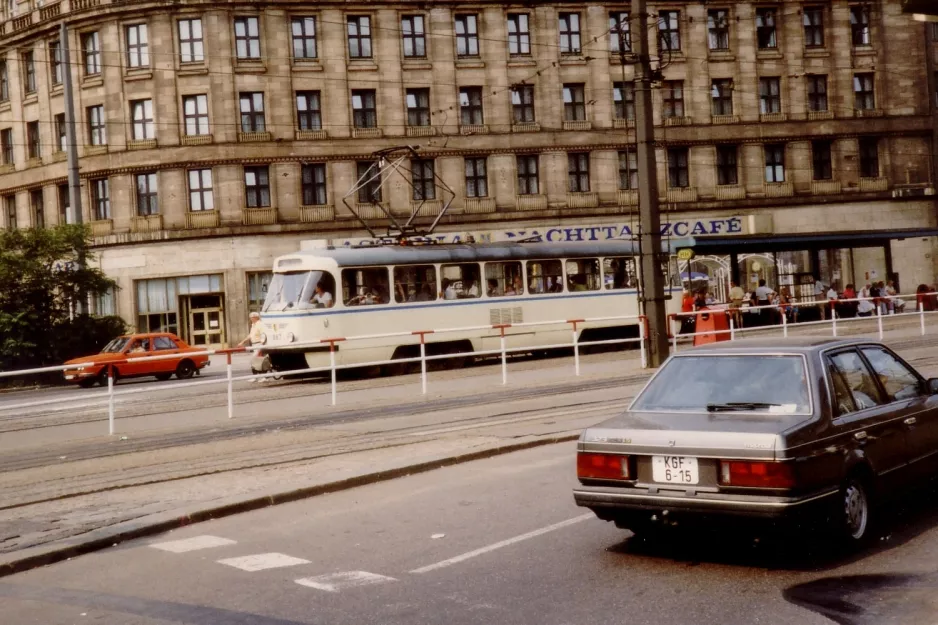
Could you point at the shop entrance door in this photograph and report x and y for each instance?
(206, 327)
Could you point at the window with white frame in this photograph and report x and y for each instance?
(91, 50)
(147, 194)
(191, 45)
(201, 197)
(467, 35)
(142, 116)
(247, 38)
(774, 162)
(195, 114)
(308, 110)
(359, 36)
(101, 198)
(252, 111)
(569, 26)
(519, 34)
(138, 46)
(304, 37)
(413, 36)
(97, 125)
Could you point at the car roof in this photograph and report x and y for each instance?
(139, 335)
(794, 345)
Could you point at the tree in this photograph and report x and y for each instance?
(41, 285)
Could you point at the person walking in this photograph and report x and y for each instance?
(254, 338)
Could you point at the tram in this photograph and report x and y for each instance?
(352, 292)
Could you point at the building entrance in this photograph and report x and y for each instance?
(205, 317)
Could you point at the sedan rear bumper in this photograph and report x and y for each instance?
(609, 503)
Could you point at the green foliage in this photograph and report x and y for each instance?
(42, 278)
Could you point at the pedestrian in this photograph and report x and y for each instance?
(865, 307)
(254, 337)
(764, 297)
(736, 303)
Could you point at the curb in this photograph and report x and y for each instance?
(96, 540)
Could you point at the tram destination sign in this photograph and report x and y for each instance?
(700, 226)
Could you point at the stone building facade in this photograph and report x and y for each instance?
(215, 136)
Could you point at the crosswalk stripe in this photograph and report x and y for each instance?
(263, 561)
(193, 544)
(336, 582)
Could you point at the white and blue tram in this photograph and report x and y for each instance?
(348, 292)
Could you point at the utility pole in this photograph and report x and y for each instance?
(71, 145)
(649, 241)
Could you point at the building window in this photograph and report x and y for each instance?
(304, 37)
(29, 71)
(672, 93)
(726, 165)
(371, 191)
(628, 169)
(413, 36)
(55, 59)
(569, 33)
(65, 204)
(574, 102)
(33, 144)
(104, 304)
(247, 38)
(364, 109)
(6, 145)
(9, 205)
(101, 199)
(252, 111)
(195, 114)
(669, 30)
(191, 46)
(774, 162)
(477, 184)
(869, 157)
(257, 186)
(142, 115)
(620, 36)
(766, 33)
(813, 18)
(817, 93)
(201, 196)
(61, 140)
(522, 103)
(418, 107)
(359, 36)
(770, 98)
(860, 24)
(470, 106)
(578, 172)
(258, 282)
(4, 82)
(308, 111)
(422, 176)
(147, 194)
(35, 204)
(721, 96)
(91, 49)
(519, 34)
(821, 160)
(678, 174)
(864, 97)
(467, 35)
(718, 29)
(527, 175)
(138, 48)
(314, 185)
(97, 125)
(623, 99)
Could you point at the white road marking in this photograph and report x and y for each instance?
(193, 544)
(335, 582)
(503, 543)
(263, 561)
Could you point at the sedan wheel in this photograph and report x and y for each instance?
(856, 511)
(184, 370)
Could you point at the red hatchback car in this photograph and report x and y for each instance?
(89, 370)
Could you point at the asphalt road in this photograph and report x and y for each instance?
(488, 542)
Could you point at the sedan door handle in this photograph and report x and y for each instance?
(911, 421)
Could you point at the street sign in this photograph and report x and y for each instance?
(685, 254)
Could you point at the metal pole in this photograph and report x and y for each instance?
(576, 351)
(230, 390)
(110, 400)
(732, 329)
(921, 315)
(784, 324)
(834, 320)
(71, 145)
(652, 284)
(641, 343)
(423, 365)
(879, 322)
(504, 360)
(332, 365)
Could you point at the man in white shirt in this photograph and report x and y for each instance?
(865, 307)
(322, 297)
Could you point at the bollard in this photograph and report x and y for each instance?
(504, 360)
(732, 329)
(230, 389)
(110, 400)
(921, 316)
(641, 342)
(834, 320)
(423, 365)
(784, 325)
(879, 321)
(332, 367)
(576, 351)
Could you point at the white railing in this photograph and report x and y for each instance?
(575, 325)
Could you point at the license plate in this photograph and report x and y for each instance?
(69, 377)
(675, 469)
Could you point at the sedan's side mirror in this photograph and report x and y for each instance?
(931, 386)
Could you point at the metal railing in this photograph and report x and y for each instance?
(112, 395)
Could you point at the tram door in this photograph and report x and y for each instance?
(206, 320)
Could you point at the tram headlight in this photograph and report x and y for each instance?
(290, 337)
(263, 338)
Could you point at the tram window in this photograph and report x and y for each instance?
(503, 279)
(365, 286)
(545, 276)
(460, 281)
(325, 299)
(415, 283)
(583, 274)
(619, 273)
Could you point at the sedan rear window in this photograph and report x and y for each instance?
(745, 383)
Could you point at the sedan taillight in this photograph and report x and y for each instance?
(602, 466)
(756, 474)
